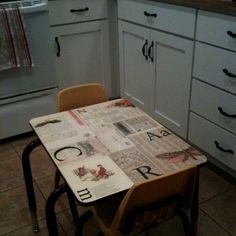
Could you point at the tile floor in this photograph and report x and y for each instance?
(217, 203)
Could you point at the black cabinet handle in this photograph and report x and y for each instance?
(229, 73)
(225, 113)
(150, 51)
(222, 149)
(58, 47)
(144, 50)
(149, 14)
(79, 10)
(231, 34)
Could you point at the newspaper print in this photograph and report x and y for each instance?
(107, 113)
(60, 128)
(168, 151)
(137, 166)
(111, 137)
(141, 123)
(78, 151)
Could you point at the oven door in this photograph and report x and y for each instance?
(20, 81)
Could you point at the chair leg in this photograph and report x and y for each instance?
(79, 227)
(29, 181)
(57, 178)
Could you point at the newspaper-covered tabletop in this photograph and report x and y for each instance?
(104, 148)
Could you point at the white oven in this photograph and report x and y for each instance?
(29, 92)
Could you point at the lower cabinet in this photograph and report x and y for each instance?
(216, 141)
(82, 53)
(135, 79)
(155, 72)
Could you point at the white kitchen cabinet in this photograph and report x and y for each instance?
(171, 69)
(212, 123)
(155, 69)
(216, 141)
(81, 42)
(135, 76)
(82, 54)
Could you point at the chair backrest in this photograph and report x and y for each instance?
(149, 193)
(80, 96)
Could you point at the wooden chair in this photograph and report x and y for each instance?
(79, 96)
(146, 205)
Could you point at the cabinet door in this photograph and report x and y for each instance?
(82, 53)
(134, 67)
(172, 72)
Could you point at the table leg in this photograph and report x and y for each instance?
(194, 208)
(29, 181)
(79, 226)
(50, 208)
(73, 207)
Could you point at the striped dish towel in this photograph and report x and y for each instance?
(14, 48)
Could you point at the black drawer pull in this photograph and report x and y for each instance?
(222, 149)
(231, 34)
(228, 73)
(79, 10)
(144, 50)
(150, 51)
(58, 47)
(225, 113)
(149, 14)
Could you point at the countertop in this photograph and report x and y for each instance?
(221, 6)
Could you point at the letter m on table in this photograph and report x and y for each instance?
(84, 194)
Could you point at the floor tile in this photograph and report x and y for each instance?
(20, 142)
(172, 227)
(14, 212)
(11, 174)
(27, 231)
(7, 151)
(211, 184)
(208, 227)
(46, 186)
(66, 222)
(223, 210)
(41, 164)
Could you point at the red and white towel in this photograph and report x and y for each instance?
(14, 48)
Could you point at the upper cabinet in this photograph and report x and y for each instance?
(155, 63)
(80, 30)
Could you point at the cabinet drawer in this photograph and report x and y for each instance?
(83, 10)
(214, 104)
(175, 19)
(214, 28)
(204, 134)
(209, 64)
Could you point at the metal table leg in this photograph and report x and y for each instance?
(50, 208)
(29, 181)
(194, 208)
